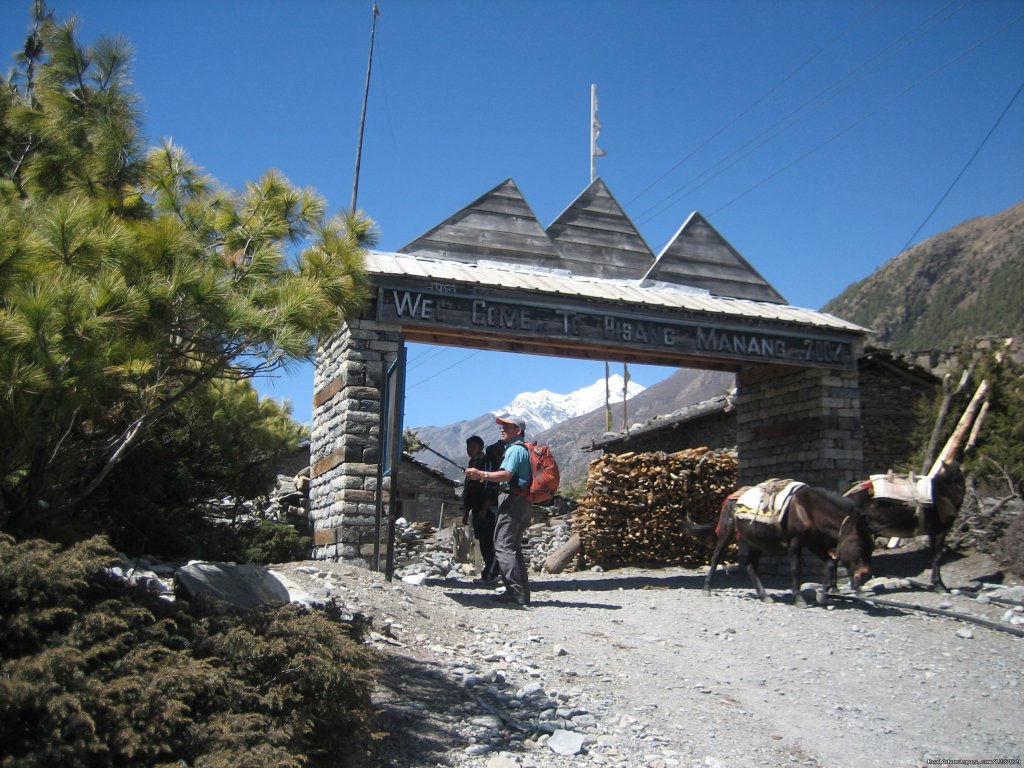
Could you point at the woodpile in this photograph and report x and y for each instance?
(638, 506)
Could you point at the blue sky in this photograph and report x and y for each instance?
(817, 137)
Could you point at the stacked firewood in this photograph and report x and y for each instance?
(639, 505)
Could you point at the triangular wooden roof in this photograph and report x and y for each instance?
(596, 238)
(699, 256)
(500, 226)
(593, 237)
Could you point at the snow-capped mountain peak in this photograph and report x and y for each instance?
(543, 409)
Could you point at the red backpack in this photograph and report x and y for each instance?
(545, 474)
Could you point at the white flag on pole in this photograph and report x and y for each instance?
(595, 127)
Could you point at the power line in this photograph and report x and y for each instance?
(443, 370)
(426, 357)
(966, 166)
(868, 115)
(790, 119)
(728, 124)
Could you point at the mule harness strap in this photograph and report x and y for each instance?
(839, 537)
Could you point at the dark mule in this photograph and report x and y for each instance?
(906, 519)
(826, 523)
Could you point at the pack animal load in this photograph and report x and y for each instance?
(909, 489)
(546, 476)
(911, 492)
(766, 502)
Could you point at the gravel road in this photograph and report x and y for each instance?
(637, 668)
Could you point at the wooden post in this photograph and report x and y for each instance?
(561, 557)
(952, 448)
(362, 118)
(948, 391)
(976, 429)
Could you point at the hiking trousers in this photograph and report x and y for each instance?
(513, 518)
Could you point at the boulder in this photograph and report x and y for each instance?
(241, 586)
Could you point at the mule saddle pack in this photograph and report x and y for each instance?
(909, 490)
(766, 502)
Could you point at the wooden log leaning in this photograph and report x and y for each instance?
(558, 560)
(952, 447)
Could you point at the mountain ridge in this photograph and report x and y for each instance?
(544, 409)
(961, 284)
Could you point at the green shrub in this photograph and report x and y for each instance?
(196, 535)
(270, 542)
(94, 673)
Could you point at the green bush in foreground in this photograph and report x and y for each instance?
(93, 673)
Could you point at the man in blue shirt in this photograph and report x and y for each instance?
(513, 510)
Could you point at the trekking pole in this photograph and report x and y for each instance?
(428, 448)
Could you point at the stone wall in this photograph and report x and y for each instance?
(345, 445)
(799, 423)
(894, 409)
(426, 495)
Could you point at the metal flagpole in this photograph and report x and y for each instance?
(595, 131)
(625, 397)
(595, 151)
(607, 397)
(362, 119)
(593, 128)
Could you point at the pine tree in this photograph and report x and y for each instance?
(130, 283)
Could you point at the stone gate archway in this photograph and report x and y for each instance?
(587, 287)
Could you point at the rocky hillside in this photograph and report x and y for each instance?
(961, 284)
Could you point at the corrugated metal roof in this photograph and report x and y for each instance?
(562, 283)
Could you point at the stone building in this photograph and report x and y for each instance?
(895, 396)
(426, 495)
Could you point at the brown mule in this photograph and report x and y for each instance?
(826, 523)
(905, 519)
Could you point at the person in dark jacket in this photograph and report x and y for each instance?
(484, 529)
(476, 502)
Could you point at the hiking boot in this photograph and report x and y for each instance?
(487, 582)
(510, 598)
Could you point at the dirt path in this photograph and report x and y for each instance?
(643, 670)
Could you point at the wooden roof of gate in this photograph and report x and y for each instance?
(593, 237)
(589, 287)
(500, 226)
(699, 256)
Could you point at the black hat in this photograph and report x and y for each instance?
(475, 439)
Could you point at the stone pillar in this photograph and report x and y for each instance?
(345, 448)
(800, 423)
